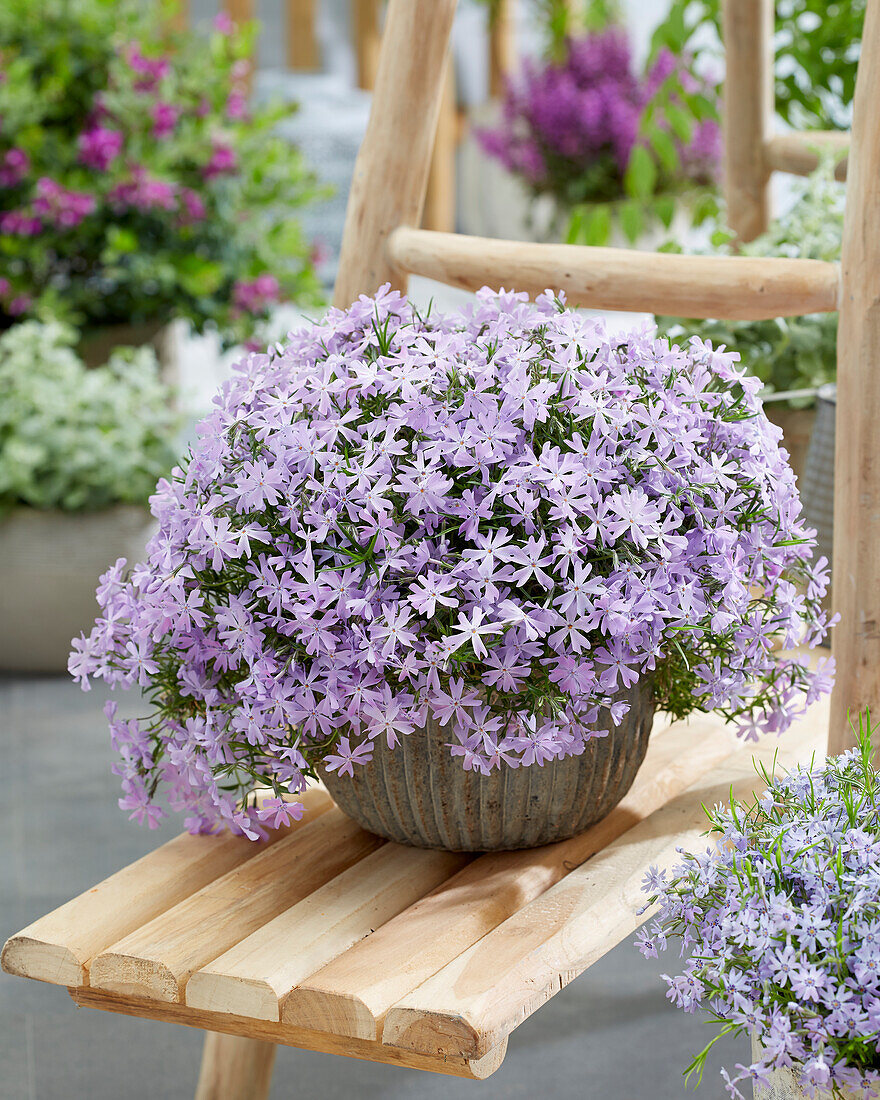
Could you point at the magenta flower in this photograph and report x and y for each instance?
(14, 167)
(222, 163)
(99, 147)
(164, 116)
(58, 206)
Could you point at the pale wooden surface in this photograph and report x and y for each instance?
(489, 989)
(391, 171)
(502, 46)
(748, 113)
(302, 45)
(439, 212)
(365, 18)
(235, 1068)
(59, 947)
(332, 939)
(797, 153)
(730, 287)
(856, 590)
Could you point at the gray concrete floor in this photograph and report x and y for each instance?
(608, 1035)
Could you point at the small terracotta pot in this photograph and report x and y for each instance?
(418, 794)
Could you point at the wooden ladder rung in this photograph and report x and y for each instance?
(738, 288)
(797, 153)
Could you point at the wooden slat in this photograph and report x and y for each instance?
(253, 978)
(479, 998)
(58, 948)
(472, 1069)
(351, 995)
(365, 18)
(748, 113)
(391, 171)
(157, 959)
(796, 153)
(725, 287)
(856, 589)
(502, 45)
(302, 45)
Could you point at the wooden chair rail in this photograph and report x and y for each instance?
(797, 153)
(727, 287)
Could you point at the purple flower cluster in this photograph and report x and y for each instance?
(99, 147)
(570, 127)
(253, 295)
(60, 206)
(501, 517)
(780, 924)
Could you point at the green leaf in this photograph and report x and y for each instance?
(199, 277)
(664, 147)
(597, 229)
(121, 240)
(664, 208)
(632, 220)
(641, 174)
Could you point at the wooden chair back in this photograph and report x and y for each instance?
(382, 243)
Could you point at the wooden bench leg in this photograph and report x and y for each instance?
(235, 1068)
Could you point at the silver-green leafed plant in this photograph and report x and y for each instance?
(76, 439)
(786, 353)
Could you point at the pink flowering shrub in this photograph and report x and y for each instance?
(501, 517)
(589, 129)
(779, 924)
(136, 185)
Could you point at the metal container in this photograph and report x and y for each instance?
(817, 484)
(418, 794)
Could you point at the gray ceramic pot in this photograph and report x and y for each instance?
(421, 795)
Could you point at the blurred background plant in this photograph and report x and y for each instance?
(817, 49)
(786, 353)
(73, 439)
(136, 183)
(613, 146)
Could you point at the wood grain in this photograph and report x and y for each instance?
(58, 948)
(502, 46)
(747, 30)
(235, 1068)
(797, 153)
(351, 995)
(302, 45)
(856, 589)
(158, 958)
(488, 990)
(439, 212)
(391, 171)
(365, 20)
(475, 1070)
(728, 287)
(254, 977)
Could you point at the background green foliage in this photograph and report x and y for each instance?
(77, 439)
(65, 62)
(786, 353)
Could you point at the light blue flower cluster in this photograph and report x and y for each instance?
(780, 925)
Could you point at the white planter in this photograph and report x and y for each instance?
(783, 1084)
(49, 568)
(494, 203)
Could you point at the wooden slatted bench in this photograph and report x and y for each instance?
(416, 958)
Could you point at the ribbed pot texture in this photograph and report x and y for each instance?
(419, 794)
